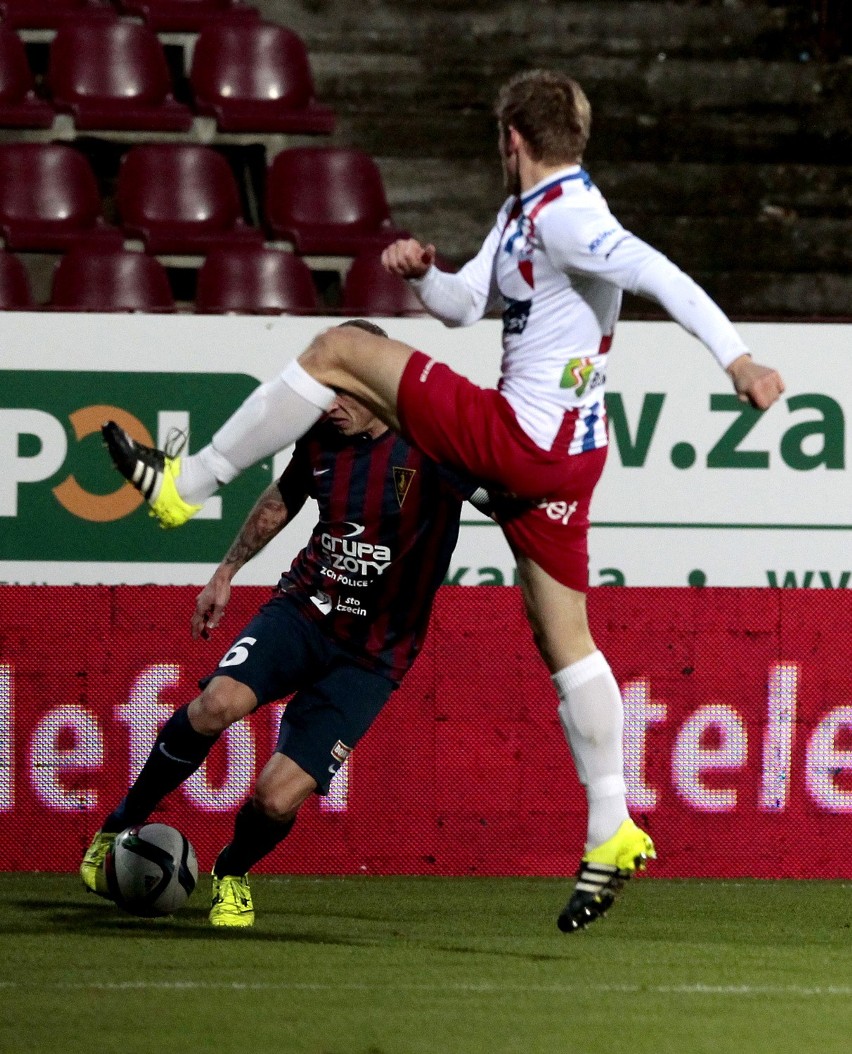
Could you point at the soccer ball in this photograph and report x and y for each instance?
(151, 870)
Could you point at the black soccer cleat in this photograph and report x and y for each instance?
(593, 896)
(602, 874)
(141, 465)
(152, 472)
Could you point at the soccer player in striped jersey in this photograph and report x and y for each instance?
(345, 624)
(557, 262)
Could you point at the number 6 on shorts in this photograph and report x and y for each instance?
(238, 653)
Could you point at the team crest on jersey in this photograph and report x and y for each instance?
(402, 479)
(340, 752)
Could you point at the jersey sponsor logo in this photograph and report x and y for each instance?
(427, 369)
(597, 242)
(516, 314)
(344, 580)
(360, 558)
(582, 375)
(321, 471)
(402, 480)
(560, 511)
(350, 606)
(357, 528)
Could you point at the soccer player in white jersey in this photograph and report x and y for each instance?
(557, 261)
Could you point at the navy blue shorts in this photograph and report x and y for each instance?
(334, 700)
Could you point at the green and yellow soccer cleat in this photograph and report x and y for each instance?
(92, 867)
(602, 873)
(152, 472)
(231, 903)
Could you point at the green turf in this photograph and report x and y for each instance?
(431, 966)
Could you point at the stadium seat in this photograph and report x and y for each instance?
(110, 73)
(20, 107)
(185, 15)
(49, 198)
(43, 14)
(368, 289)
(181, 198)
(255, 281)
(328, 201)
(110, 278)
(15, 291)
(255, 76)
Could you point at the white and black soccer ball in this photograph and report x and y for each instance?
(151, 870)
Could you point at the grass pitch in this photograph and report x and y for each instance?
(431, 966)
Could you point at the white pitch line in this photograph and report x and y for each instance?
(843, 991)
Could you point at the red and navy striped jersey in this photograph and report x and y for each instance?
(388, 524)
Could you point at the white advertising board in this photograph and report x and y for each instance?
(697, 490)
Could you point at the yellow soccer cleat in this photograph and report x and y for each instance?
(231, 903)
(152, 472)
(92, 866)
(602, 873)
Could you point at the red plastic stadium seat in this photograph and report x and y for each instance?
(255, 76)
(181, 198)
(15, 291)
(49, 198)
(255, 281)
(110, 278)
(20, 107)
(43, 14)
(368, 289)
(185, 15)
(111, 73)
(328, 200)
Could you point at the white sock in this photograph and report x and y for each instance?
(592, 715)
(273, 417)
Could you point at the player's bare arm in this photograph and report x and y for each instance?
(263, 523)
(758, 385)
(407, 258)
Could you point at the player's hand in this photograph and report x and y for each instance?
(758, 385)
(209, 607)
(407, 258)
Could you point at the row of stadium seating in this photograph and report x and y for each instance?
(160, 15)
(182, 198)
(111, 73)
(257, 280)
(130, 216)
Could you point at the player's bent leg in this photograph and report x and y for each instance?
(152, 472)
(602, 874)
(92, 866)
(261, 824)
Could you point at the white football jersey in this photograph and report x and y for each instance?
(556, 262)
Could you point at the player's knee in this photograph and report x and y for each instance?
(220, 704)
(337, 351)
(328, 351)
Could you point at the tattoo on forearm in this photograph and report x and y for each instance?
(262, 524)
